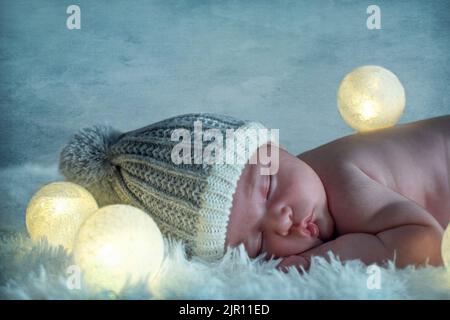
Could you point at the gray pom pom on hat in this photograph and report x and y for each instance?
(189, 202)
(86, 160)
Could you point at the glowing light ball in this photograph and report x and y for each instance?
(118, 244)
(371, 98)
(57, 211)
(445, 248)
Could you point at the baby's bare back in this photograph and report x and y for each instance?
(411, 159)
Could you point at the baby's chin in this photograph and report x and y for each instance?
(306, 245)
(315, 242)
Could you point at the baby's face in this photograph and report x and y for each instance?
(281, 214)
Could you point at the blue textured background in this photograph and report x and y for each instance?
(137, 62)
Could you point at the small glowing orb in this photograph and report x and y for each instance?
(57, 211)
(118, 245)
(371, 98)
(445, 248)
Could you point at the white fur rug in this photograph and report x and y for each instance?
(30, 271)
(36, 271)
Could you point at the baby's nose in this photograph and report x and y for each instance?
(284, 221)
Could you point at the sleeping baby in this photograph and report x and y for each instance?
(371, 196)
(376, 196)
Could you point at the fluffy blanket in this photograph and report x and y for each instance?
(36, 271)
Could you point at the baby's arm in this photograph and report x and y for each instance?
(391, 225)
(409, 244)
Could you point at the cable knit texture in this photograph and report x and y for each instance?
(189, 202)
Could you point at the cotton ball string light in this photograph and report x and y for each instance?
(371, 98)
(57, 211)
(445, 248)
(118, 244)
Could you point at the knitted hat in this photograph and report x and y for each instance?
(188, 201)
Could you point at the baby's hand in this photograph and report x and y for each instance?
(297, 260)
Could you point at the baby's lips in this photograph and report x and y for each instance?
(313, 229)
(310, 229)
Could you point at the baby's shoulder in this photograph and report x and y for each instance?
(353, 195)
(333, 161)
